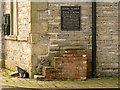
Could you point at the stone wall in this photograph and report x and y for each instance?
(39, 36)
(107, 39)
(118, 39)
(48, 36)
(18, 47)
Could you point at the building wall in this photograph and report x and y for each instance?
(40, 36)
(18, 48)
(107, 39)
(48, 36)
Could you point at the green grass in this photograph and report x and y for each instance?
(6, 72)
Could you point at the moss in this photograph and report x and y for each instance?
(54, 77)
(6, 80)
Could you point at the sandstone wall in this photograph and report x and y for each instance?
(107, 39)
(39, 36)
(48, 37)
(18, 47)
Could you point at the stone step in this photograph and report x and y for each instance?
(48, 67)
(72, 64)
(54, 53)
(58, 58)
(50, 73)
(45, 68)
(54, 48)
(39, 77)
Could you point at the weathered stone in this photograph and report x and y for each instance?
(34, 60)
(40, 49)
(39, 5)
(63, 36)
(40, 27)
(39, 77)
(22, 37)
(14, 74)
(34, 16)
(40, 36)
(34, 38)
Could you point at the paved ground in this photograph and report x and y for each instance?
(7, 81)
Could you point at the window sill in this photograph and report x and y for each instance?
(22, 38)
(16, 38)
(11, 37)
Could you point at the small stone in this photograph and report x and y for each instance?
(14, 74)
(84, 55)
(39, 77)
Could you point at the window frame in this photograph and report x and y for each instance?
(13, 19)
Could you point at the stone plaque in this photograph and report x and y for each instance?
(70, 17)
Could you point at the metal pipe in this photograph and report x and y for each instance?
(94, 39)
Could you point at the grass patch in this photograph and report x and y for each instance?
(6, 80)
(6, 72)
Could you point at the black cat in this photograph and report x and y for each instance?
(23, 73)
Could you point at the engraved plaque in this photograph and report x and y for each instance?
(70, 17)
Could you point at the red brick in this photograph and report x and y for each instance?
(72, 67)
(53, 62)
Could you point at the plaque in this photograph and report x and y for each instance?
(70, 17)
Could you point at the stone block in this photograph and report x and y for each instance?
(53, 36)
(40, 49)
(63, 43)
(34, 60)
(14, 74)
(22, 37)
(63, 36)
(34, 16)
(39, 6)
(10, 64)
(44, 37)
(34, 38)
(41, 27)
(39, 77)
(55, 12)
(54, 48)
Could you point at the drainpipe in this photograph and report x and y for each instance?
(94, 38)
